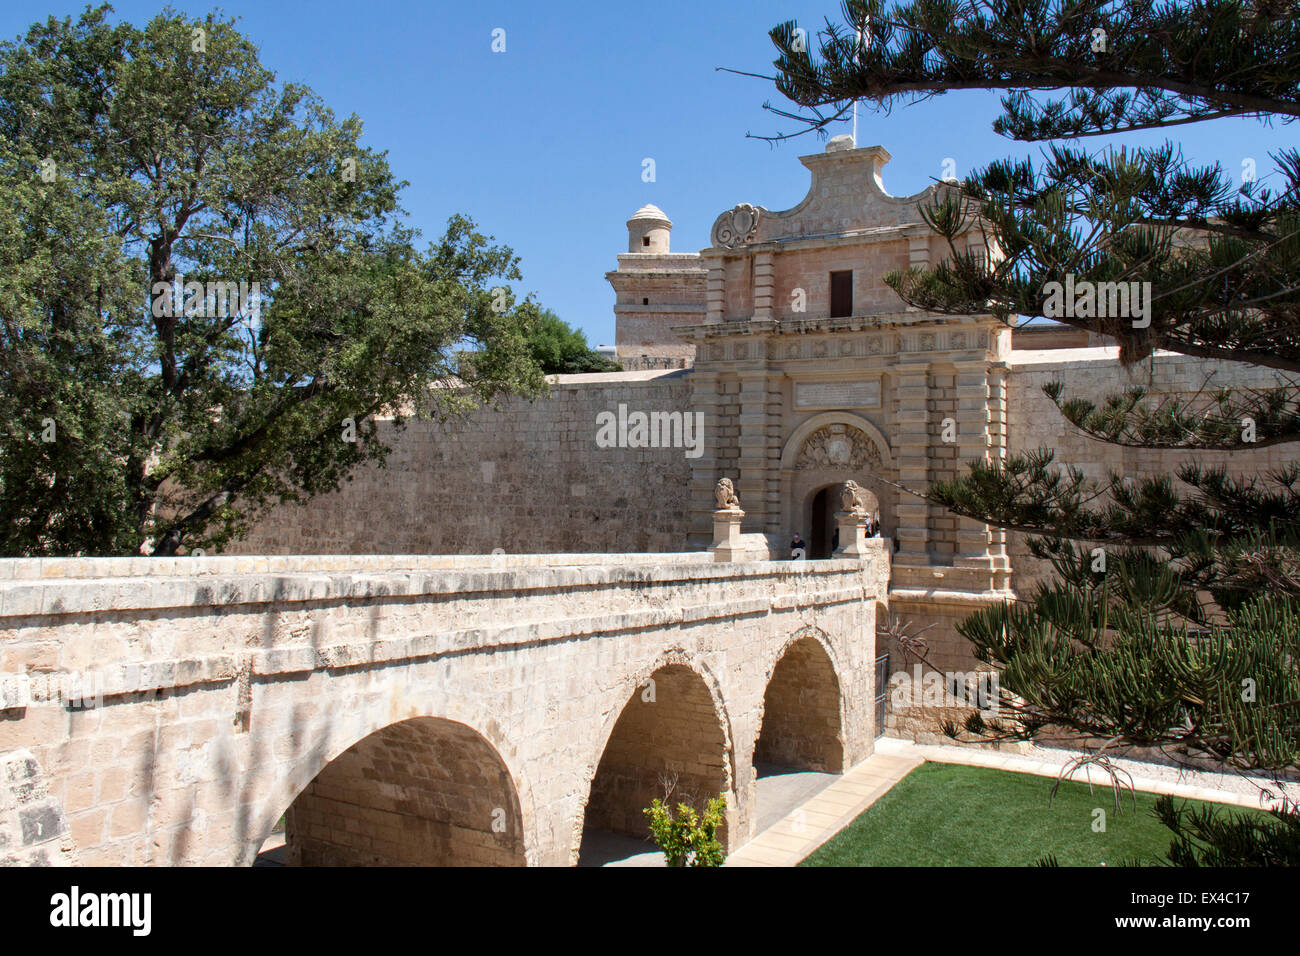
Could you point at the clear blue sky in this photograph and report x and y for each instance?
(542, 145)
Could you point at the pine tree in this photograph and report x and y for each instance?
(1173, 619)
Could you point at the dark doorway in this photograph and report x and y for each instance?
(841, 294)
(823, 523)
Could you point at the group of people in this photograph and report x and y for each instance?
(799, 548)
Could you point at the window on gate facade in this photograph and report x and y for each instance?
(841, 294)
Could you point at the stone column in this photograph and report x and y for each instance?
(998, 450)
(852, 526)
(775, 409)
(715, 293)
(973, 538)
(918, 256)
(726, 534)
(913, 458)
(913, 461)
(753, 439)
(764, 281)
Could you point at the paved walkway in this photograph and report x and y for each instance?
(1215, 787)
(781, 792)
(820, 818)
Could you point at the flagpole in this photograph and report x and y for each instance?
(857, 49)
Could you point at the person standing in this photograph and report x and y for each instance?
(798, 550)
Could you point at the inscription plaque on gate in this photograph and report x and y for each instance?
(837, 394)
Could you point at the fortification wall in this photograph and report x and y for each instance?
(528, 478)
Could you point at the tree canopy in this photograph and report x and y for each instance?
(206, 292)
(560, 349)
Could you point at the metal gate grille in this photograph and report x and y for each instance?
(882, 691)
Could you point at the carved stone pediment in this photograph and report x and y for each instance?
(736, 227)
(838, 447)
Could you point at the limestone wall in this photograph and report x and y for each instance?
(528, 478)
(33, 831)
(810, 269)
(922, 704)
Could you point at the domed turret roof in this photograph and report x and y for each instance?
(652, 212)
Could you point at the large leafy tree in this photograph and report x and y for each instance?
(561, 349)
(1173, 618)
(145, 413)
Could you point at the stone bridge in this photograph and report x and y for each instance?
(413, 710)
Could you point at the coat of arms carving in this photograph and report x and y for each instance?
(838, 447)
(737, 226)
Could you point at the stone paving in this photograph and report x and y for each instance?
(781, 791)
(807, 827)
(1215, 787)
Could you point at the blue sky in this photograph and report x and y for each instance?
(543, 144)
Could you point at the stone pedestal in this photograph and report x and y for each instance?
(726, 534)
(852, 526)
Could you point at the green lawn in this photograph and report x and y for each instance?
(953, 815)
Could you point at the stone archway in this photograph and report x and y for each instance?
(421, 792)
(817, 514)
(669, 728)
(802, 726)
(800, 745)
(822, 454)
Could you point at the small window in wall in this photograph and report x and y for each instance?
(645, 240)
(645, 301)
(841, 294)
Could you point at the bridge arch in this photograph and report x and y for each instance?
(802, 721)
(423, 791)
(672, 723)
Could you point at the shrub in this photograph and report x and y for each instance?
(689, 838)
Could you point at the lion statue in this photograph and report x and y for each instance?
(724, 494)
(853, 498)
